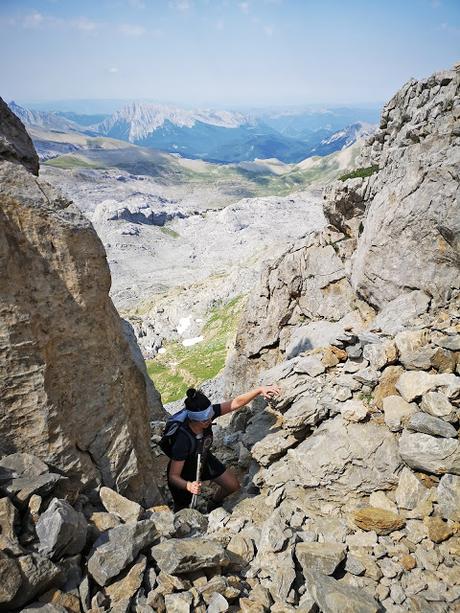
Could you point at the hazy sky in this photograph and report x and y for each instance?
(225, 52)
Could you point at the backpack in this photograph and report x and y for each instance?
(173, 425)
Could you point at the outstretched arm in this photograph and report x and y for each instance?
(267, 391)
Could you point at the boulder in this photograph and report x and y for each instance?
(339, 459)
(399, 313)
(305, 412)
(443, 360)
(272, 447)
(380, 354)
(332, 596)
(38, 574)
(410, 491)
(61, 530)
(449, 497)
(430, 454)
(321, 557)
(311, 365)
(127, 586)
(15, 144)
(179, 603)
(421, 422)
(378, 520)
(185, 555)
(118, 547)
(437, 404)
(413, 384)
(75, 378)
(409, 341)
(380, 500)
(353, 410)
(190, 522)
(10, 578)
(397, 412)
(127, 510)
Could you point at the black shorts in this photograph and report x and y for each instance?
(212, 468)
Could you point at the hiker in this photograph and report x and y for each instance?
(196, 431)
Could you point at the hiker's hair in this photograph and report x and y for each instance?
(196, 400)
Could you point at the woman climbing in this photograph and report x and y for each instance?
(195, 433)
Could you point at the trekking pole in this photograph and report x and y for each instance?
(198, 473)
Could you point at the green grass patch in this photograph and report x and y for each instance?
(360, 172)
(70, 161)
(169, 232)
(182, 367)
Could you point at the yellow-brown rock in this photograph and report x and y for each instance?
(387, 384)
(408, 562)
(70, 602)
(72, 392)
(438, 529)
(379, 520)
(129, 584)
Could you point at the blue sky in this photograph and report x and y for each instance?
(223, 52)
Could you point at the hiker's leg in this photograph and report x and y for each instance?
(182, 498)
(228, 484)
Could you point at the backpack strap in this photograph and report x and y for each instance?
(190, 436)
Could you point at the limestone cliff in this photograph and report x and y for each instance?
(71, 392)
(392, 247)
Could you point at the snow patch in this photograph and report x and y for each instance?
(188, 342)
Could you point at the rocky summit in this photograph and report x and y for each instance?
(350, 478)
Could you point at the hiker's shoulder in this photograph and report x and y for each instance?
(217, 409)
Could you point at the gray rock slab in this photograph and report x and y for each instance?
(185, 555)
(435, 426)
(429, 453)
(334, 597)
(23, 464)
(449, 497)
(118, 547)
(321, 557)
(61, 530)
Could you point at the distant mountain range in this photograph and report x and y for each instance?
(217, 136)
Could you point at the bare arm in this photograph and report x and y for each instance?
(175, 469)
(267, 391)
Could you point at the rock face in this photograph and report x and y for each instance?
(411, 212)
(382, 227)
(15, 144)
(72, 393)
